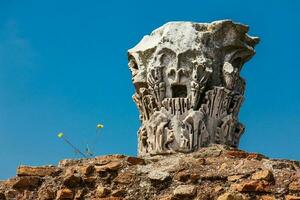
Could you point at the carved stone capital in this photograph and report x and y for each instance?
(188, 85)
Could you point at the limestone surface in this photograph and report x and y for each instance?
(188, 87)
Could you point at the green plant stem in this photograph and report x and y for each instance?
(77, 150)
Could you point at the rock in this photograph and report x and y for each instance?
(235, 178)
(118, 193)
(267, 197)
(103, 160)
(135, 161)
(67, 162)
(80, 194)
(124, 178)
(87, 170)
(109, 198)
(252, 186)
(237, 154)
(64, 194)
(218, 189)
(201, 161)
(292, 197)
(37, 171)
(185, 191)
(295, 186)
(256, 156)
(158, 175)
(90, 180)
(27, 195)
(46, 194)
(232, 196)
(26, 182)
(166, 197)
(296, 176)
(186, 176)
(283, 165)
(194, 177)
(111, 166)
(182, 176)
(266, 175)
(224, 167)
(243, 154)
(161, 178)
(72, 180)
(102, 191)
(11, 194)
(208, 152)
(2, 196)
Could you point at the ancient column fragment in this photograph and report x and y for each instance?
(188, 85)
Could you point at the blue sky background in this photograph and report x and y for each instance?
(63, 67)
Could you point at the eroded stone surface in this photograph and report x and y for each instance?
(214, 172)
(263, 175)
(158, 175)
(64, 194)
(185, 191)
(188, 87)
(232, 196)
(37, 171)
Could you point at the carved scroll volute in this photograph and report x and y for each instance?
(234, 59)
(138, 72)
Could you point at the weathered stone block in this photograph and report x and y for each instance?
(252, 186)
(26, 182)
(112, 166)
(295, 186)
(185, 191)
(64, 194)
(187, 85)
(135, 161)
(125, 178)
(232, 196)
(156, 175)
(292, 197)
(102, 191)
(72, 180)
(37, 171)
(266, 175)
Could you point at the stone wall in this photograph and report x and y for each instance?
(216, 172)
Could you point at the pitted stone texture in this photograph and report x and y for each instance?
(188, 87)
(207, 174)
(158, 175)
(37, 171)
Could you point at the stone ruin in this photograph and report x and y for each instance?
(189, 92)
(188, 87)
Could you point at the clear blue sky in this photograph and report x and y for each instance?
(63, 67)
